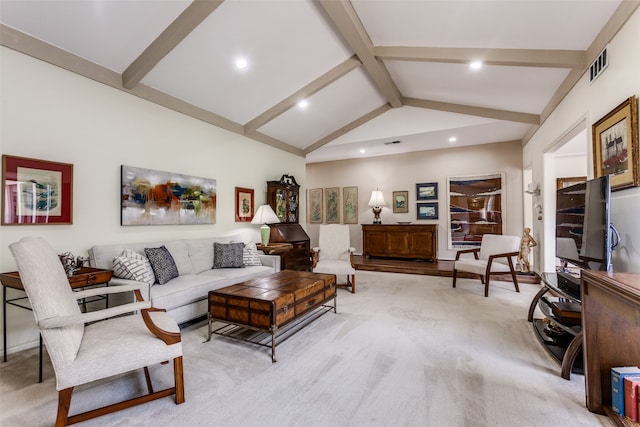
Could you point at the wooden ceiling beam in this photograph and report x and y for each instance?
(509, 57)
(175, 33)
(326, 79)
(511, 116)
(344, 129)
(347, 23)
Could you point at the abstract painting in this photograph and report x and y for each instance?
(151, 197)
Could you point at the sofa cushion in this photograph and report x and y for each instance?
(164, 267)
(134, 266)
(187, 289)
(180, 253)
(237, 275)
(228, 255)
(201, 251)
(250, 255)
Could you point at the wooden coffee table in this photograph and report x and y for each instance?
(268, 310)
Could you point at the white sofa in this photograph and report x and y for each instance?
(185, 297)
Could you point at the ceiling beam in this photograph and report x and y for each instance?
(313, 87)
(511, 116)
(345, 19)
(179, 29)
(28, 45)
(508, 57)
(354, 124)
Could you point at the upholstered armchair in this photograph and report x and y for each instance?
(81, 352)
(494, 256)
(334, 254)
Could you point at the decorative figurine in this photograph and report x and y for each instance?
(526, 243)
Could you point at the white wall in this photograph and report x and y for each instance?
(403, 171)
(591, 102)
(51, 114)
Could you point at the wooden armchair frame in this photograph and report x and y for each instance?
(485, 278)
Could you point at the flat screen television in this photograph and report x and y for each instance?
(583, 224)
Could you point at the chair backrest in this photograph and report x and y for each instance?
(498, 244)
(334, 242)
(50, 295)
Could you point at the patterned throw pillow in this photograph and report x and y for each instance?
(164, 267)
(228, 255)
(134, 266)
(250, 255)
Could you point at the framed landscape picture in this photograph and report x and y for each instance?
(400, 201)
(36, 191)
(333, 205)
(427, 191)
(244, 204)
(615, 146)
(427, 210)
(350, 205)
(315, 205)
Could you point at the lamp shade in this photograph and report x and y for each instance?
(376, 199)
(265, 215)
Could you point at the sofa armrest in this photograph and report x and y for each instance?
(272, 261)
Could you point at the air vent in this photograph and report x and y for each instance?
(599, 65)
(391, 142)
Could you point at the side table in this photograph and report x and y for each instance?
(86, 276)
(279, 249)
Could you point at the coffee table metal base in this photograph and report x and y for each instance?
(267, 337)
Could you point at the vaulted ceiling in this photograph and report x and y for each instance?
(371, 71)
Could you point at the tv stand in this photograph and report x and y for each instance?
(562, 338)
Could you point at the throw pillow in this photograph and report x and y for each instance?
(250, 254)
(134, 266)
(228, 255)
(164, 267)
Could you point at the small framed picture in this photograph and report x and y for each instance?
(427, 210)
(314, 204)
(36, 191)
(244, 204)
(427, 191)
(333, 205)
(400, 201)
(350, 205)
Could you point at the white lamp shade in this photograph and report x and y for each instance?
(376, 199)
(265, 215)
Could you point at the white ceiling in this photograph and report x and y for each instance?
(372, 71)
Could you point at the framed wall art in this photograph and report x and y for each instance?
(151, 197)
(400, 201)
(244, 204)
(427, 191)
(569, 181)
(36, 191)
(427, 210)
(333, 205)
(475, 209)
(350, 205)
(315, 205)
(615, 146)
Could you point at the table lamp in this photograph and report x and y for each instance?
(376, 203)
(265, 215)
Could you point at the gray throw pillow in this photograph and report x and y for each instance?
(164, 267)
(228, 255)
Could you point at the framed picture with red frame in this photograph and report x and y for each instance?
(36, 191)
(244, 204)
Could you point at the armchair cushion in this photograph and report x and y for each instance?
(164, 267)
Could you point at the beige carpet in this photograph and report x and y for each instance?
(403, 351)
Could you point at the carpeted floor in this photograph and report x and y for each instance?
(404, 350)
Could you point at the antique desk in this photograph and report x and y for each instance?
(86, 276)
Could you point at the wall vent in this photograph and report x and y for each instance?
(599, 65)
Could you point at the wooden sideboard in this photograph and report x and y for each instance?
(611, 328)
(415, 241)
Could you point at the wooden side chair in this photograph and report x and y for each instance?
(494, 256)
(82, 352)
(334, 254)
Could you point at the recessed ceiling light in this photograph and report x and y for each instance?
(475, 65)
(362, 151)
(453, 139)
(302, 104)
(241, 63)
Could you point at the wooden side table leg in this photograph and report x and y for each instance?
(570, 356)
